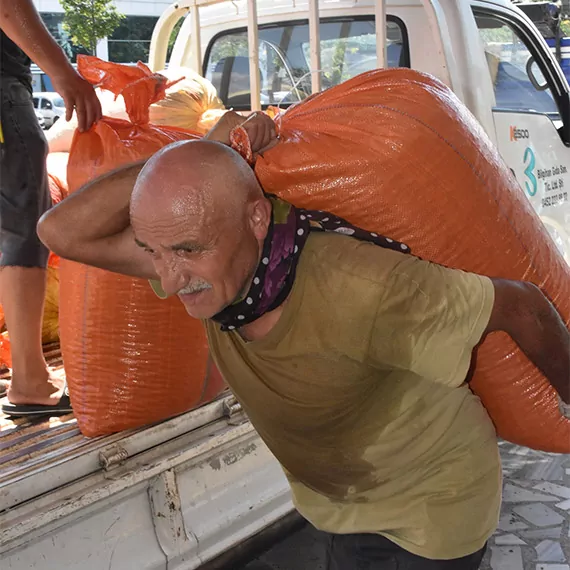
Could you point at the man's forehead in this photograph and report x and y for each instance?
(159, 195)
(175, 231)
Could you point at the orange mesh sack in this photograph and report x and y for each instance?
(394, 151)
(56, 166)
(130, 358)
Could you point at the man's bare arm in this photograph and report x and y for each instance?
(92, 226)
(527, 316)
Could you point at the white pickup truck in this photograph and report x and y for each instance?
(182, 493)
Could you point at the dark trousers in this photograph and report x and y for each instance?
(375, 552)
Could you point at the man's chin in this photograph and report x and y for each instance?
(198, 312)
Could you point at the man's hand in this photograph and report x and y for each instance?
(259, 127)
(21, 22)
(80, 95)
(261, 132)
(527, 316)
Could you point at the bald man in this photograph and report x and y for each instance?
(349, 355)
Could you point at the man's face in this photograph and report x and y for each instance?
(204, 256)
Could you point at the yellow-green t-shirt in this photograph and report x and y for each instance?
(359, 393)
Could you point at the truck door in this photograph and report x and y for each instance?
(530, 115)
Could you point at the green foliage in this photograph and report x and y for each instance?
(88, 21)
(130, 42)
(174, 35)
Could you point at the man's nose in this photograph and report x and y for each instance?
(171, 279)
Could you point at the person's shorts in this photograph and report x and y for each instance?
(24, 190)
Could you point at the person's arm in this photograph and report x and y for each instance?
(260, 129)
(430, 318)
(20, 21)
(527, 316)
(92, 226)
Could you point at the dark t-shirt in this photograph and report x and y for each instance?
(13, 61)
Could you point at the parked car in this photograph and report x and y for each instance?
(40, 118)
(51, 107)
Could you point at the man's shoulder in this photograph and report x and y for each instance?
(332, 255)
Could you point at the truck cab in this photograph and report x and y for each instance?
(488, 52)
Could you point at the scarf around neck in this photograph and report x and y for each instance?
(273, 280)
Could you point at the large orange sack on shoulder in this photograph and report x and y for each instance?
(394, 151)
(130, 358)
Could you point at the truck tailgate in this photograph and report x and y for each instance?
(37, 456)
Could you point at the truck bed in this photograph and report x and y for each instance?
(174, 494)
(27, 443)
(38, 455)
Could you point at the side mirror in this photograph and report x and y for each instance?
(535, 75)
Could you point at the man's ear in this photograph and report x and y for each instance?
(260, 217)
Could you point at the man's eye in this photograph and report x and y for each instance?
(150, 251)
(184, 250)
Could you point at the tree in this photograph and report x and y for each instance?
(88, 21)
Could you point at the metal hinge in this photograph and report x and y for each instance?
(113, 456)
(233, 411)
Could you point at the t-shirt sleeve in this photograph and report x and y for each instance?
(428, 320)
(157, 288)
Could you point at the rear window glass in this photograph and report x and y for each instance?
(348, 48)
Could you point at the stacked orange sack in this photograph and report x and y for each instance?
(57, 174)
(130, 358)
(50, 326)
(394, 151)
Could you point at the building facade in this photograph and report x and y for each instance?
(128, 44)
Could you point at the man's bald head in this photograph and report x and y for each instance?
(192, 173)
(198, 209)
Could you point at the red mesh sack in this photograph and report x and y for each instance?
(394, 151)
(130, 358)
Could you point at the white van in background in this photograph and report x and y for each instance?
(51, 107)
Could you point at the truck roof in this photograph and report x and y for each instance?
(212, 13)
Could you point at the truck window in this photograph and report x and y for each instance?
(518, 82)
(348, 48)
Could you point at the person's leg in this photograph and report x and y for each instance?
(22, 292)
(24, 197)
(375, 552)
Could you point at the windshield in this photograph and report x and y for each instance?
(348, 48)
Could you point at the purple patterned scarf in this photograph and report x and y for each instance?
(275, 275)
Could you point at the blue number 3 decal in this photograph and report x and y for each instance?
(529, 172)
